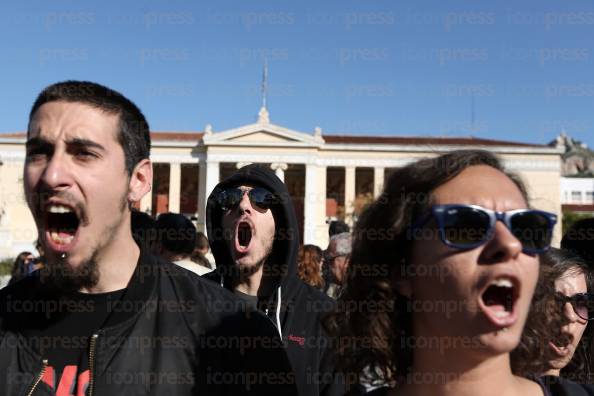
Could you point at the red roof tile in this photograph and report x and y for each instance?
(183, 136)
(347, 139)
(420, 140)
(13, 135)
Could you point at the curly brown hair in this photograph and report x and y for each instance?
(372, 317)
(309, 260)
(546, 319)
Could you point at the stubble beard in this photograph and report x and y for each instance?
(246, 271)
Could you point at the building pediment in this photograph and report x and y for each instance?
(260, 134)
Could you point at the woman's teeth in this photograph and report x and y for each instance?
(502, 282)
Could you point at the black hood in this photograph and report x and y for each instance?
(280, 267)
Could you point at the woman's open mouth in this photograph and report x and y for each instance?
(497, 301)
(61, 227)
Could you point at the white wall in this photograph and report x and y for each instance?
(572, 185)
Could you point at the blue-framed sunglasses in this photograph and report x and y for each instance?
(259, 197)
(468, 226)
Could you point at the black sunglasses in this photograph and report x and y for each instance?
(259, 197)
(469, 226)
(582, 303)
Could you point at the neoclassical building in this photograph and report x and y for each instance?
(328, 176)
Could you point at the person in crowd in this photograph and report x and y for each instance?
(92, 321)
(309, 265)
(336, 261)
(201, 261)
(24, 265)
(176, 238)
(556, 341)
(337, 227)
(579, 238)
(253, 233)
(201, 254)
(442, 273)
(143, 228)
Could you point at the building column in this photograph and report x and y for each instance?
(201, 221)
(174, 186)
(209, 178)
(279, 169)
(315, 230)
(349, 194)
(378, 181)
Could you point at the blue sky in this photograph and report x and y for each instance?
(376, 67)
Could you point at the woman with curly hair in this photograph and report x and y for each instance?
(557, 340)
(309, 265)
(441, 278)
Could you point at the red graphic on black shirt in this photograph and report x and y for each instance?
(68, 381)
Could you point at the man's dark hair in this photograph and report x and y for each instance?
(133, 136)
(579, 239)
(176, 233)
(337, 227)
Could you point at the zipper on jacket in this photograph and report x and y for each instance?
(92, 348)
(39, 377)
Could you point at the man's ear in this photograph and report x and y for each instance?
(141, 180)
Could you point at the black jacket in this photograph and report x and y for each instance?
(176, 334)
(302, 307)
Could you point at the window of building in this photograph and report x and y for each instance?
(576, 196)
(590, 196)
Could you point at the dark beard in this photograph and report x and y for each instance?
(65, 279)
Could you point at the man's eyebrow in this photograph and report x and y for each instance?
(37, 141)
(81, 142)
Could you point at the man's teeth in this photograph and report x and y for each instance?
(59, 209)
(61, 240)
(502, 282)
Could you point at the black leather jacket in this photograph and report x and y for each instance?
(176, 334)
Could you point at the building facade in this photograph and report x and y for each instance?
(328, 176)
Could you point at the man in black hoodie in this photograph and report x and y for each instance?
(254, 237)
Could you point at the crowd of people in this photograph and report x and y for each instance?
(446, 285)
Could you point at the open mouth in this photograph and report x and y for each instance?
(561, 350)
(61, 226)
(498, 299)
(243, 236)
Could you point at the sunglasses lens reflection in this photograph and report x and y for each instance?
(584, 306)
(532, 229)
(229, 198)
(466, 226)
(259, 197)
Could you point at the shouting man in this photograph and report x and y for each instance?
(104, 316)
(254, 237)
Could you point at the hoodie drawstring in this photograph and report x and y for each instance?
(278, 308)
